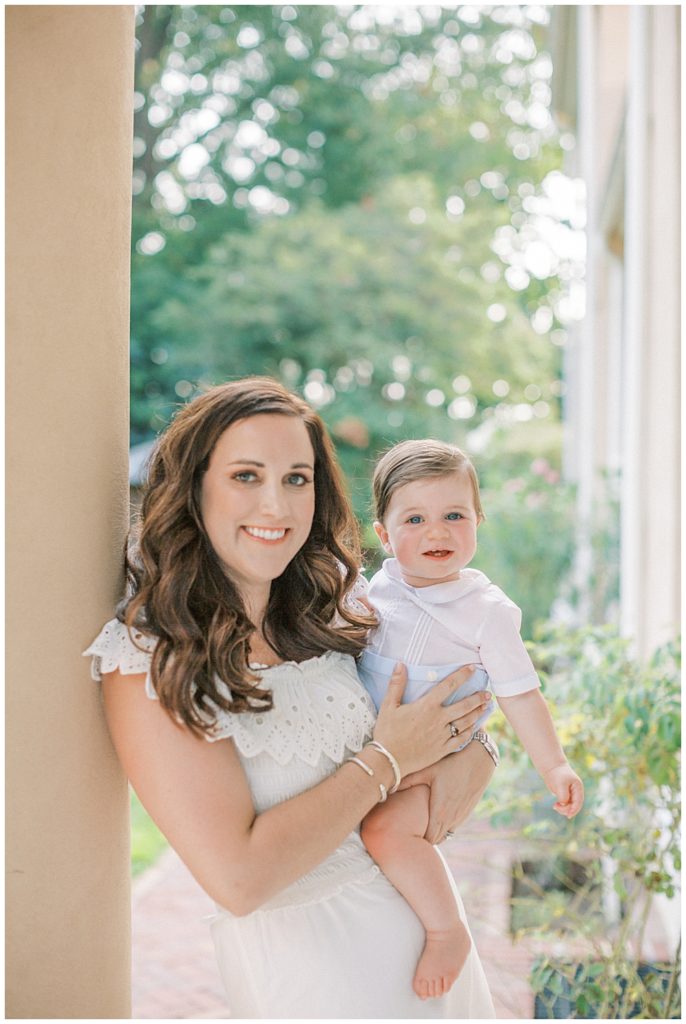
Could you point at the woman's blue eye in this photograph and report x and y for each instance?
(245, 476)
(297, 480)
(414, 520)
(454, 515)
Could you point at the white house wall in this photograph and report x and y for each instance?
(623, 366)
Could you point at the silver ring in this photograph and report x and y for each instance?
(449, 835)
(454, 731)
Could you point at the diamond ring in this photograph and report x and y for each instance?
(449, 835)
(454, 731)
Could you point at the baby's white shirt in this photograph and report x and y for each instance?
(469, 621)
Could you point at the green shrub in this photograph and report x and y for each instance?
(619, 722)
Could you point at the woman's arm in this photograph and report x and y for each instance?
(457, 784)
(198, 795)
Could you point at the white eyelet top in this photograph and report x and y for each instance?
(320, 706)
(320, 715)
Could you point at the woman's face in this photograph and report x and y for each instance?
(257, 500)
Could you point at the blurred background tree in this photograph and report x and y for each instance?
(366, 203)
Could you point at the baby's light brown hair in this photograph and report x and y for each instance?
(415, 460)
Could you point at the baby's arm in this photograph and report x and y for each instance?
(530, 718)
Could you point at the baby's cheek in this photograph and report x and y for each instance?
(403, 548)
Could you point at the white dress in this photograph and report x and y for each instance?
(340, 942)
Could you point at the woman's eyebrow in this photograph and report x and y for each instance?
(260, 465)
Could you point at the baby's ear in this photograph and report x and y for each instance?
(382, 533)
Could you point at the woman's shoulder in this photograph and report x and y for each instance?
(117, 646)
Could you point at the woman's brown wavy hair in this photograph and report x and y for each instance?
(179, 593)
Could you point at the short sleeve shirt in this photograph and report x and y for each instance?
(465, 621)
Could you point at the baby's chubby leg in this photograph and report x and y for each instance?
(394, 835)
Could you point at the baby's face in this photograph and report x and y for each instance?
(430, 527)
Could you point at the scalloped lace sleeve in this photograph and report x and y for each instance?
(358, 590)
(113, 648)
(352, 600)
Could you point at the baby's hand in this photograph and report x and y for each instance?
(566, 785)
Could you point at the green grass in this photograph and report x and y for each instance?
(147, 842)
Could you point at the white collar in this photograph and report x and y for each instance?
(437, 593)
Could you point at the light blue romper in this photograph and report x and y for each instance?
(374, 670)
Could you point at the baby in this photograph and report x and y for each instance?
(430, 606)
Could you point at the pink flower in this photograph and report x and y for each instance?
(513, 486)
(540, 467)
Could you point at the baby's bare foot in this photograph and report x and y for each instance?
(440, 964)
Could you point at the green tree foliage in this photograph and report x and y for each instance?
(361, 201)
(360, 307)
(404, 129)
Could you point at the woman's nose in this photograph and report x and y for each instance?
(272, 500)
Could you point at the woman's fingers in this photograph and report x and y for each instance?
(446, 688)
(475, 702)
(461, 716)
(422, 732)
(396, 687)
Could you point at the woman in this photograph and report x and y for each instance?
(242, 625)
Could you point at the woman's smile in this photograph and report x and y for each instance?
(263, 534)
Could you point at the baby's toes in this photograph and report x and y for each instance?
(421, 987)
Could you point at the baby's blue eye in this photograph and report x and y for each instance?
(414, 520)
(454, 515)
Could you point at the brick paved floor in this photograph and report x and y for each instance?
(174, 971)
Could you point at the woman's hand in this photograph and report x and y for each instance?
(457, 784)
(419, 734)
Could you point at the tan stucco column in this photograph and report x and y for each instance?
(68, 144)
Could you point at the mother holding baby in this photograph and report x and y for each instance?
(233, 700)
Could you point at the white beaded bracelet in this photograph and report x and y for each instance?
(391, 760)
(383, 792)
